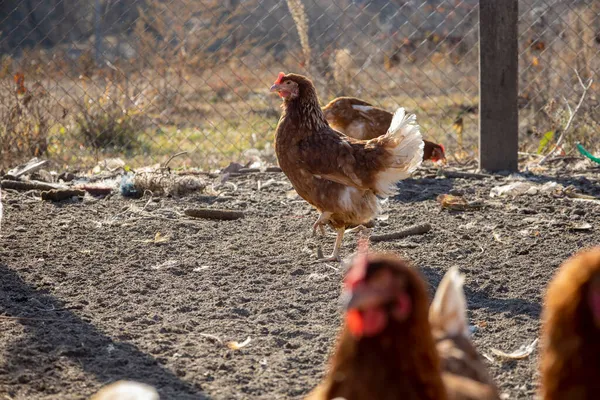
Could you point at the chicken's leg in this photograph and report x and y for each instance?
(320, 223)
(335, 256)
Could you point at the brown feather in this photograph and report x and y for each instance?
(365, 125)
(401, 362)
(325, 165)
(570, 359)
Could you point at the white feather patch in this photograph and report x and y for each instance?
(346, 197)
(405, 136)
(449, 307)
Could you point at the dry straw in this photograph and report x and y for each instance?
(301, 19)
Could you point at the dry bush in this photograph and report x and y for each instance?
(110, 121)
(24, 126)
(555, 42)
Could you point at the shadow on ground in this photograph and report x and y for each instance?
(55, 336)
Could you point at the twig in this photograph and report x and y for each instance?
(213, 337)
(28, 185)
(212, 213)
(148, 202)
(174, 156)
(413, 230)
(61, 194)
(572, 114)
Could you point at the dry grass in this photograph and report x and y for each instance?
(206, 92)
(24, 126)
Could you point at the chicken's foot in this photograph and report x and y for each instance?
(360, 229)
(335, 256)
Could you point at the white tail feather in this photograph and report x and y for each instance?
(405, 135)
(127, 390)
(448, 311)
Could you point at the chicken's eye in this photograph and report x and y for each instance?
(287, 82)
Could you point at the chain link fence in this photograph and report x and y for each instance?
(82, 81)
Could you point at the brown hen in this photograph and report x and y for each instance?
(340, 176)
(570, 359)
(386, 349)
(464, 373)
(361, 120)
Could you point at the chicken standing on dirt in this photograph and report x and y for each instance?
(358, 119)
(340, 176)
(570, 342)
(386, 349)
(464, 373)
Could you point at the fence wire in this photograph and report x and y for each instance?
(83, 81)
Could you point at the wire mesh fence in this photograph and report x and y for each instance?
(142, 80)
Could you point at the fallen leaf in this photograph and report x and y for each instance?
(158, 238)
(236, 346)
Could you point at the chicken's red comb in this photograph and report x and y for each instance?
(279, 78)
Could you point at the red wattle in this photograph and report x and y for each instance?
(354, 321)
(374, 321)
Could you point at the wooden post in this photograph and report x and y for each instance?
(98, 32)
(498, 85)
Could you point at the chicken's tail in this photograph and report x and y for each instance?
(448, 311)
(129, 390)
(403, 139)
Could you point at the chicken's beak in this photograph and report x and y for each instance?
(363, 298)
(275, 88)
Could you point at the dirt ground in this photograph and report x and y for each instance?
(102, 300)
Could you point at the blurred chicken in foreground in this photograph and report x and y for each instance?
(386, 349)
(126, 390)
(340, 176)
(358, 119)
(465, 374)
(570, 359)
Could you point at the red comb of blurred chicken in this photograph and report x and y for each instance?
(340, 176)
(386, 349)
(570, 359)
(465, 374)
(361, 120)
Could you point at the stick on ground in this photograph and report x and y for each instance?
(28, 185)
(212, 213)
(413, 230)
(62, 194)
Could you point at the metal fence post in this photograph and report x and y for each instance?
(498, 85)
